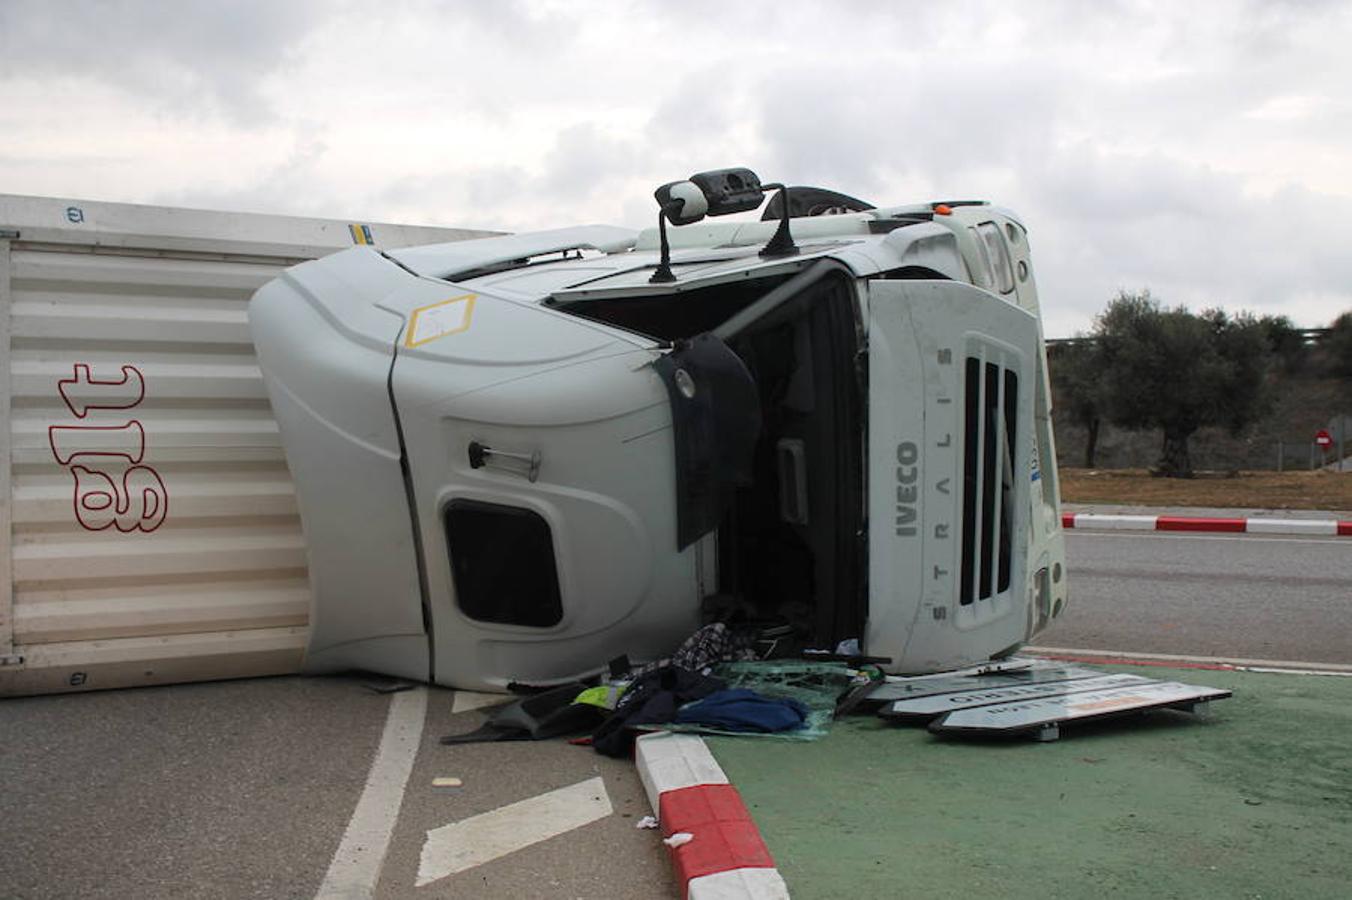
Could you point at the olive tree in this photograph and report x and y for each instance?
(1076, 374)
(1337, 345)
(1286, 342)
(1176, 371)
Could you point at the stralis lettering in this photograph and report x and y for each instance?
(908, 474)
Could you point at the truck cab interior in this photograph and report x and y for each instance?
(782, 482)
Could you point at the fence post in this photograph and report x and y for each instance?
(1281, 446)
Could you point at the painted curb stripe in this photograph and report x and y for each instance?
(761, 883)
(1292, 526)
(726, 838)
(689, 792)
(1186, 523)
(1206, 523)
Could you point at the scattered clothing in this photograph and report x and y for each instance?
(742, 710)
(544, 715)
(709, 645)
(652, 699)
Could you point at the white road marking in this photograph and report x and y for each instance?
(1304, 667)
(466, 700)
(1183, 536)
(474, 841)
(355, 868)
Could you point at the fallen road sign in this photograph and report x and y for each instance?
(1045, 715)
(929, 707)
(927, 687)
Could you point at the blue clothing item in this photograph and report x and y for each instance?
(739, 709)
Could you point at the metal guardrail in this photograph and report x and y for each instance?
(1311, 336)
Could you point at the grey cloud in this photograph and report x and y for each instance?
(583, 176)
(186, 56)
(1103, 222)
(292, 187)
(933, 125)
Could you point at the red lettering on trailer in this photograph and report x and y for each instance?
(128, 496)
(67, 441)
(84, 392)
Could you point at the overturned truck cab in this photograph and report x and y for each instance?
(519, 457)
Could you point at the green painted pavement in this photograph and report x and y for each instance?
(1253, 802)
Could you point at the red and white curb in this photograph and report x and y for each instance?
(725, 858)
(1206, 523)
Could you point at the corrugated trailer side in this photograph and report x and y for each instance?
(149, 524)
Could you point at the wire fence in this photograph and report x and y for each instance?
(1298, 455)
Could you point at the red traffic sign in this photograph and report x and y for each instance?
(1323, 439)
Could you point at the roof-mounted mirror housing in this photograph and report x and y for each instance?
(720, 192)
(729, 191)
(682, 202)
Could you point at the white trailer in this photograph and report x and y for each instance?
(514, 458)
(148, 523)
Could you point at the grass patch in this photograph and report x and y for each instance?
(1256, 490)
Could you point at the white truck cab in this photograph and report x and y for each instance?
(518, 457)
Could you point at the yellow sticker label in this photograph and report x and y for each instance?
(437, 320)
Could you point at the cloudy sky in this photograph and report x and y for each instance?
(1199, 149)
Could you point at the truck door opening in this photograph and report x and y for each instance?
(791, 532)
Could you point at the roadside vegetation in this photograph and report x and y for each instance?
(1168, 374)
(1240, 490)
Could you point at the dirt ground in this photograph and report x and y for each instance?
(1258, 490)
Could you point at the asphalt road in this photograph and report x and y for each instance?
(1247, 596)
(245, 789)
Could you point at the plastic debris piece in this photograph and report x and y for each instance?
(848, 647)
(646, 822)
(678, 839)
(605, 696)
(446, 781)
(393, 686)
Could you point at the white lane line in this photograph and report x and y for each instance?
(466, 700)
(1266, 665)
(355, 868)
(474, 841)
(1183, 536)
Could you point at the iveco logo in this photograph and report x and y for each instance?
(907, 476)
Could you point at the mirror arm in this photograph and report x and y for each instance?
(663, 273)
(782, 243)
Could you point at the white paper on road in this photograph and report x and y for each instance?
(474, 841)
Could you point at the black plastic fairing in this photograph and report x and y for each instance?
(715, 414)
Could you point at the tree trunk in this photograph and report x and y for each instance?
(1090, 442)
(1175, 462)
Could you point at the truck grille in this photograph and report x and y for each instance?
(991, 394)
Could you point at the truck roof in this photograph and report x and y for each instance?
(597, 260)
